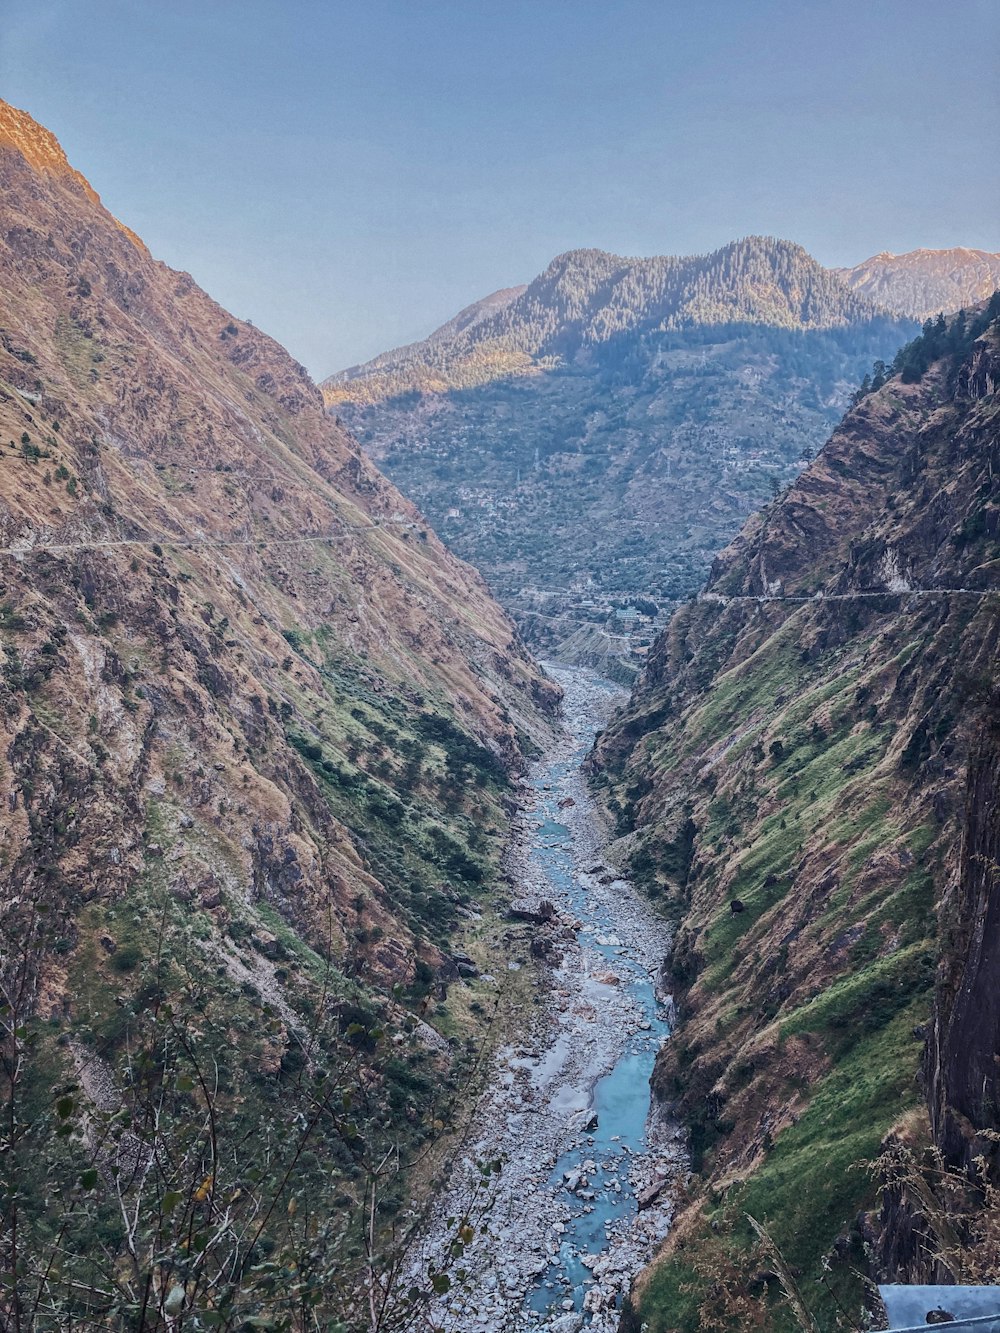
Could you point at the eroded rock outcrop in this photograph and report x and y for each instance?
(964, 1045)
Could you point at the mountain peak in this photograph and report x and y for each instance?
(43, 153)
(585, 259)
(38, 146)
(921, 282)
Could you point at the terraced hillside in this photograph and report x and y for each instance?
(257, 729)
(793, 782)
(599, 435)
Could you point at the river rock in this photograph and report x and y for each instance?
(567, 1323)
(523, 909)
(582, 1122)
(647, 1197)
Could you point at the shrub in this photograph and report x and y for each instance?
(126, 957)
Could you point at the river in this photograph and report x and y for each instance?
(567, 1107)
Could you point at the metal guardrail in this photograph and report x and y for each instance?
(910, 1308)
(989, 1323)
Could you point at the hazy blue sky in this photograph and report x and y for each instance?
(348, 174)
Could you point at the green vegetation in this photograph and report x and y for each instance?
(939, 340)
(414, 787)
(819, 754)
(243, 1084)
(809, 1188)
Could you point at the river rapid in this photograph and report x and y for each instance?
(567, 1103)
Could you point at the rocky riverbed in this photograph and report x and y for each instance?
(585, 1191)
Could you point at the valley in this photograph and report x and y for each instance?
(596, 935)
(590, 441)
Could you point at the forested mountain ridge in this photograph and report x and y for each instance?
(588, 297)
(258, 728)
(802, 779)
(601, 435)
(921, 283)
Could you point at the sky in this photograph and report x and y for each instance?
(349, 174)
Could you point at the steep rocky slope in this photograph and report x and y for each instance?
(603, 433)
(257, 731)
(921, 283)
(790, 780)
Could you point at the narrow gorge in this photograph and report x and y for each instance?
(599, 936)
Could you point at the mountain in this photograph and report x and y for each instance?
(258, 729)
(922, 283)
(599, 435)
(587, 297)
(805, 779)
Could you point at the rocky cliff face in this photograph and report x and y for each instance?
(790, 779)
(600, 434)
(965, 1039)
(256, 724)
(921, 283)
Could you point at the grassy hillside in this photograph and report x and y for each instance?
(790, 781)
